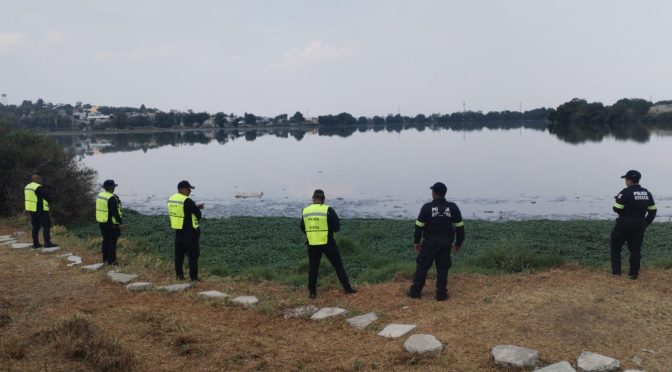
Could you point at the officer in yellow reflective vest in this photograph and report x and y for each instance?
(37, 204)
(184, 218)
(108, 215)
(320, 223)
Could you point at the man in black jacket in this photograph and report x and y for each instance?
(439, 222)
(320, 223)
(37, 201)
(108, 215)
(636, 210)
(184, 219)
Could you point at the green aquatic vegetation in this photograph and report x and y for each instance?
(377, 250)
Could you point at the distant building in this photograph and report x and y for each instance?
(661, 108)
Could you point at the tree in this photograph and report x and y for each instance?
(297, 118)
(220, 119)
(250, 119)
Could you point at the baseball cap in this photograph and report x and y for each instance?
(439, 188)
(109, 183)
(632, 175)
(184, 185)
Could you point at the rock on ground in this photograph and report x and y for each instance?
(589, 361)
(245, 300)
(328, 312)
(93, 267)
(51, 249)
(139, 286)
(362, 321)
(515, 356)
(300, 312)
(422, 344)
(176, 287)
(213, 294)
(120, 277)
(21, 245)
(396, 330)
(557, 367)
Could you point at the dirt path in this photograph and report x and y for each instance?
(560, 312)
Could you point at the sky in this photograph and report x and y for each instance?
(366, 57)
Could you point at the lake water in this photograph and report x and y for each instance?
(519, 173)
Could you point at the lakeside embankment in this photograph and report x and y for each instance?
(375, 250)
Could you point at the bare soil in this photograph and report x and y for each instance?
(54, 318)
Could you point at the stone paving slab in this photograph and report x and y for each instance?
(21, 245)
(589, 361)
(515, 356)
(422, 344)
(328, 312)
(51, 249)
(300, 312)
(120, 277)
(74, 260)
(8, 242)
(4, 237)
(557, 367)
(213, 294)
(362, 321)
(65, 255)
(245, 300)
(139, 286)
(93, 267)
(397, 330)
(176, 287)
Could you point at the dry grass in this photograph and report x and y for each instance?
(560, 312)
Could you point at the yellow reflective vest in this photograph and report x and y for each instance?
(31, 198)
(315, 223)
(102, 210)
(176, 212)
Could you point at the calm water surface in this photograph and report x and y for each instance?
(491, 173)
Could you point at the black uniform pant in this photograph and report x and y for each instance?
(188, 245)
(109, 246)
(334, 256)
(433, 251)
(633, 234)
(41, 220)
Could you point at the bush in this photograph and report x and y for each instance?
(513, 256)
(22, 154)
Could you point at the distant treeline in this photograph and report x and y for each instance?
(47, 116)
(579, 120)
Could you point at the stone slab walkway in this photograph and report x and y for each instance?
(328, 312)
(397, 330)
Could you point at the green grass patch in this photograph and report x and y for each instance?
(376, 250)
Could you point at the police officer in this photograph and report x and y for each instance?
(37, 204)
(439, 222)
(108, 215)
(320, 223)
(184, 218)
(636, 210)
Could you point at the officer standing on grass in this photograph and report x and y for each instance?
(184, 218)
(439, 222)
(320, 223)
(37, 204)
(636, 210)
(108, 215)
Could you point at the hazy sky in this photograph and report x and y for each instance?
(366, 57)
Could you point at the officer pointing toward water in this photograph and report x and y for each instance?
(636, 210)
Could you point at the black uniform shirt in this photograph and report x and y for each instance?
(439, 218)
(333, 223)
(42, 194)
(633, 203)
(189, 210)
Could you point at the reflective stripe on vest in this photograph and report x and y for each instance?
(102, 210)
(31, 198)
(176, 212)
(315, 222)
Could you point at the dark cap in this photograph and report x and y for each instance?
(109, 183)
(184, 185)
(319, 194)
(632, 175)
(439, 188)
